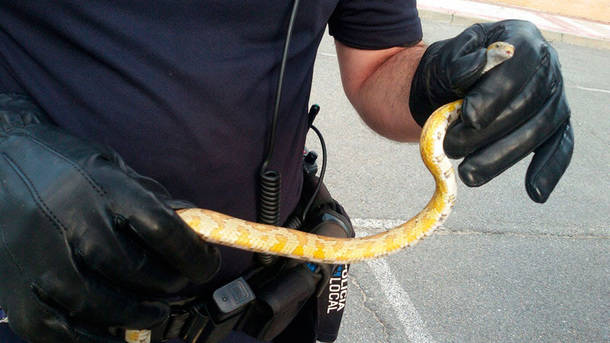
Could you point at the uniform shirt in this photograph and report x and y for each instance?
(184, 90)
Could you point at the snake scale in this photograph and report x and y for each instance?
(222, 229)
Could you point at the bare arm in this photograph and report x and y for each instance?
(377, 83)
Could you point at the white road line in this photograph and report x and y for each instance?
(407, 314)
(594, 89)
(375, 224)
(328, 54)
(401, 302)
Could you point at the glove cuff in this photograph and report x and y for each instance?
(420, 99)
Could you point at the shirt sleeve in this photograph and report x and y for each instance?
(376, 24)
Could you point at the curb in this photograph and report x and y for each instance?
(551, 36)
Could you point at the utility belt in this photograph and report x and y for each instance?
(282, 299)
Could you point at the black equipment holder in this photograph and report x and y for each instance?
(332, 295)
(235, 306)
(211, 321)
(279, 302)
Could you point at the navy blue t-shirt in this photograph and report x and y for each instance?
(184, 90)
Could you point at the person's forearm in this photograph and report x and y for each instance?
(379, 88)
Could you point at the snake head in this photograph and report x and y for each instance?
(504, 49)
(497, 53)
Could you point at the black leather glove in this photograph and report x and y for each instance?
(86, 243)
(516, 108)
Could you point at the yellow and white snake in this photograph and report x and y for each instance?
(222, 229)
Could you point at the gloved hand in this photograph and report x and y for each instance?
(517, 108)
(85, 242)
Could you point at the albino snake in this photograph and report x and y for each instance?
(226, 230)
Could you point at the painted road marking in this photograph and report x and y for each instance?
(328, 54)
(405, 311)
(593, 89)
(375, 224)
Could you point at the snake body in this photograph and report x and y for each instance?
(226, 230)
(222, 229)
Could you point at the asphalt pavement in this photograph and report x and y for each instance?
(502, 269)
